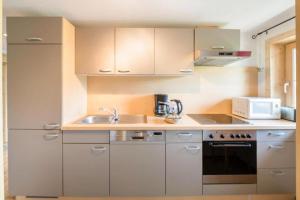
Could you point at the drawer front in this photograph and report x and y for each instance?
(276, 135)
(276, 154)
(40, 30)
(276, 181)
(183, 136)
(229, 189)
(81, 137)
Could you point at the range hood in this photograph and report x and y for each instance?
(219, 57)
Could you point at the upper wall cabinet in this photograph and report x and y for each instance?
(135, 51)
(174, 51)
(217, 39)
(95, 50)
(40, 30)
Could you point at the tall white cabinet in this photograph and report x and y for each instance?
(43, 93)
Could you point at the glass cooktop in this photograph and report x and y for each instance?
(216, 119)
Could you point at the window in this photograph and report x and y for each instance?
(290, 75)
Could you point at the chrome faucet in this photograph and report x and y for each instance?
(114, 113)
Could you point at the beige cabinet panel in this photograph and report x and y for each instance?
(276, 135)
(137, 169)
(34, 86)
(85, 137)
(174, 51)
(183, 136)
(229, 189)
(45, 30)
(276, 181)
(86, 170)
(184, 169)
(95, 50)
(35, 163)
(135, 51)
(276, 154)
(216, 39)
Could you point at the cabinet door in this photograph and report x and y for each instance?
(35, 163)
(276, 181)
(95, 50)
(34, 86)
(217, 39)
(137, 169)
(40, 30)
(86, 170)
(276, 154)
(184, 169)
(174, 51)
(135, 51)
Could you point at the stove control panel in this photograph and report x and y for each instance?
(229, 135)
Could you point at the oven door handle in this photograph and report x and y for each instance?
(231, 145)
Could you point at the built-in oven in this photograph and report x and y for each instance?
(229, 157)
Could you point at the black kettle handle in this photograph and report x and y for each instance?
(180, 106)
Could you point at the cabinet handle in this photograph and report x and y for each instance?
(277, 134)
(51, 136)
(124, 71)
(186, 70)
(277, 173)
(192, 147)
(218, 47)
(276, 146)
(51, 126)
(34, 39)
(184, 134)
(98, 149)
(105, 70)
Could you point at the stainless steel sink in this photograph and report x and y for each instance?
(107, 119)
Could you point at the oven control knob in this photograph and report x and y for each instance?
(237, 136)
(231, 135)
(243, 136)
(211, 136)
(222, 136)
(248, 136)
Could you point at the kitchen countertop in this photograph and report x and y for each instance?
(186, 123)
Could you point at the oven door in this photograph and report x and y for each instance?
(229, 162)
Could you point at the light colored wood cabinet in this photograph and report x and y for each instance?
(35, 163)
(276, 181)
(184, 169)
(34, 86)
(174, 51)
(216, 39)
(184, 136)
(137, 169)
(86, 170)
(276, 135)
(95, 50)
(276, 154)
(135, 51)
(86, 137)
(38, 30)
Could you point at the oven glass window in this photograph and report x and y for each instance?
(229, 158)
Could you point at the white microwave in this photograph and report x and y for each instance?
(257, 107)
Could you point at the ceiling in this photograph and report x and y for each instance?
(243, 14)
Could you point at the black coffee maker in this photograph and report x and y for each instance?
(161, 104)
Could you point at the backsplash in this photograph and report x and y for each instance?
(208, 90)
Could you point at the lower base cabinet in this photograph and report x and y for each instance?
(86, 170)
(137, 169)
(35, 163)
(276, 181)
(184, 169)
